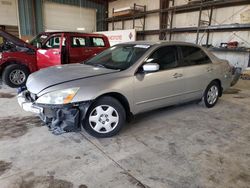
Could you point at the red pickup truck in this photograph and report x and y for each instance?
(18, 59)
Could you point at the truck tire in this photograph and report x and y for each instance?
(15, 75)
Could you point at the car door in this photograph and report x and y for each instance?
(50, 53)
(197, 68)
(161, 88)
(79, 49)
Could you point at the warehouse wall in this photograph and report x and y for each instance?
(229, 15)
(152, 20)
(243, 37)
(8, 13)
(100, 13)
(31, 14)
(68, 18)
(9, 16)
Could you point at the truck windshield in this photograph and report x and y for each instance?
(119, 57)
(38, 39)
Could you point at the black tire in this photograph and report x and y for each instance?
(208, 99)
(8, 78)
(103, 118)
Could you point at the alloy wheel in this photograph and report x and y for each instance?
(17, 77)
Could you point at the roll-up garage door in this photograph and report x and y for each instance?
(8, 16)
(63, 17)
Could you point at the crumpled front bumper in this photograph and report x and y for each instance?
(59, 118)
(27, 105)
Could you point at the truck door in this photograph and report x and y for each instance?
(51, 52)
(79, 49)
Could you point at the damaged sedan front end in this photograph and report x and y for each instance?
(56, 99)
(58, 113)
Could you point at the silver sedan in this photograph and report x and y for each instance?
(105, 91)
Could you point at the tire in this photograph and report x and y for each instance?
(105, 117)
(15, 75)
(211, 94)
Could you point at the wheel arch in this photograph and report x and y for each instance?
(13, 62)
(122, 99)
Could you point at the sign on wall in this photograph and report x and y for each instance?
(120, 36)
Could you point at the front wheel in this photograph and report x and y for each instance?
(105, 117)
(15, 75)
(211, 94)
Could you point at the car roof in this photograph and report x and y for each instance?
(69, 32)
(162, 42)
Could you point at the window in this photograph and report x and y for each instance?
(166, 57)
(38, 39)
(97, 42)
(78, 42)
(193, 56)
(54, 42)
(119, 56)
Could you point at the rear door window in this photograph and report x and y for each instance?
(77, 42)
(165, 56)
(97, 42)
(193, 56)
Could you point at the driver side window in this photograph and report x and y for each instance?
(165, 56)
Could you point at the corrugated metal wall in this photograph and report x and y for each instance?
(31, 14)
(26, 16)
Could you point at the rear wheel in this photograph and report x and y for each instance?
(105, 117)
(15, 75)
(211, 94)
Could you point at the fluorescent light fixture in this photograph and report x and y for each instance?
(80, 29)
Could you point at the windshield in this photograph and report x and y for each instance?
(38, 39)
(119, 57)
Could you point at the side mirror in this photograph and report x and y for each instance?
(151, 67)
(39, 45)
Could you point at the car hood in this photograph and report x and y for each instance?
(15, 40)
(52, 76)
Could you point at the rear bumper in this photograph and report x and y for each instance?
(59, 118)
(236, 75)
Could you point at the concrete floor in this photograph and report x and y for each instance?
(183, 146)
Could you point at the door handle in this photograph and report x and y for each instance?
(88, 50)
(177, 75)
(56, 53)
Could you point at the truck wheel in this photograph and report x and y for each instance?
(15, 75)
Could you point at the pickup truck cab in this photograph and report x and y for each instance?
(18, 59)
